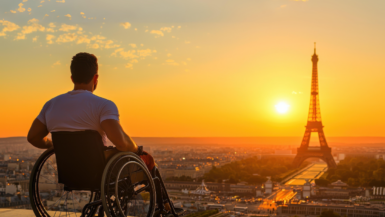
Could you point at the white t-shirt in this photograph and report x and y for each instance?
(78, 110)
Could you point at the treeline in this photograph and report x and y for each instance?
(252, 170)
(357, 172)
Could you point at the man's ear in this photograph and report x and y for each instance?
(96, 76)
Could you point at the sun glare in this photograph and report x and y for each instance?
(282, 107)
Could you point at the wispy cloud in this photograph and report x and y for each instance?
(61, 1)
(57, 63)
(33, 27)
(157, 32)
(21, 9)
(67, 28)
(68, 15)
(49, 38)
(124, 54)
(171, 62)
(126, 25)
(8, 27)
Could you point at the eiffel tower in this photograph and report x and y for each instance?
(314, 124)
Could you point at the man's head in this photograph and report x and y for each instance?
(84, 70)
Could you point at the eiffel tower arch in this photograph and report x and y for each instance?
(314, 125)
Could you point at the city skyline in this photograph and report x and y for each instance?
(196, 70)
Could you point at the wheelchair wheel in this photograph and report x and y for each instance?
(127, 187)
(49, 198)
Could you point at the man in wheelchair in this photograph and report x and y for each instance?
(123, 180)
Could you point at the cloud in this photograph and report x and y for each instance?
(187, 42)
(20, 36)
(8, 27)
(144, 53)
(124, 54)
(33, 27)
(12, 11)
(66, 28)
(57, 63)
(95, 46)
(157, 32)
(172, 62)
(179, 27)
(34, 39)
(21, 9)
(52, 25)
(109, 44)
(132, 45)
(98, 38)
(126, 25)
(49, 38)
(29, 10)
(25, 0)
(68, 15)
(53, 11)
(39, 6)
(166, 29)
(68, 37)
(129, 65)
(283, 6)
(134, 61)
(168, 55)
(81, 13)
(61, 1)
(46, 15)
(83, 39)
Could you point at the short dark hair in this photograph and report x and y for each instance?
(83, 67)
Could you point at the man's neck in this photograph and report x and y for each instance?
(83, 87)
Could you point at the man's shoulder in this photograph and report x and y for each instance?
(101, 99)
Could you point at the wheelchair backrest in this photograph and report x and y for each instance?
(80, 159)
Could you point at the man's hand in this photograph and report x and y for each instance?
(116, 135)
(37, 135)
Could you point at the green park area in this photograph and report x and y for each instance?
(356, 172)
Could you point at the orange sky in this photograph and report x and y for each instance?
(199, 68)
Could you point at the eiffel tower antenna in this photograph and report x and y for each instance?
(314, 48)
(314, 125)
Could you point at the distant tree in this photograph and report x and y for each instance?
(379, 174)
(322, 182)
(329, 213)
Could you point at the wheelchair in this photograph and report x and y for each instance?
(74, 179)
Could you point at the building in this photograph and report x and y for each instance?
(241, 188)
(306, 190)
(342, 210)
(202, 189)
(259, 191)
(268, 186)
(380, 156)
(187, 171)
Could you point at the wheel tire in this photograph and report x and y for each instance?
(34, 196)
(105, 178)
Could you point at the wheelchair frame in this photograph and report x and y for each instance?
(98, 195)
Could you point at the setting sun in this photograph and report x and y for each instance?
(282, 107)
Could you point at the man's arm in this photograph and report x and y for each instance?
(37, 135)
(116, 135)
